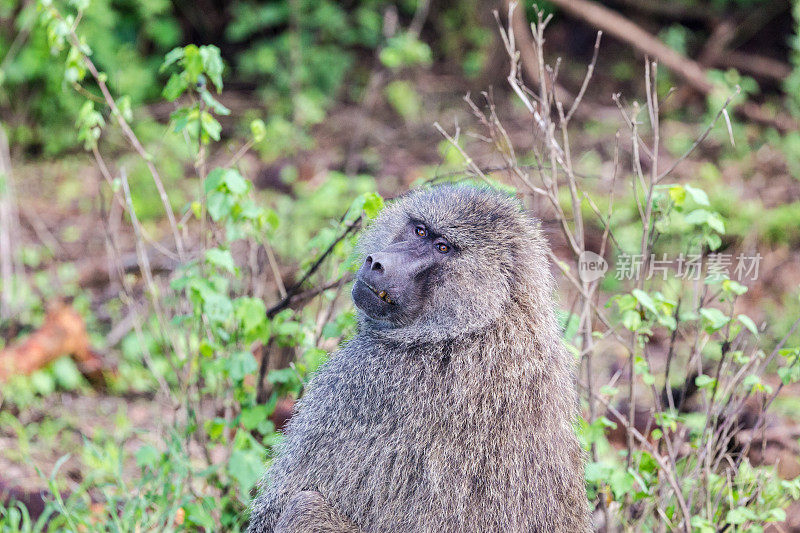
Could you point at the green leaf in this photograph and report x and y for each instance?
(702, 525)
(175, 87)
(251, 313)
(217, 307)
(752, 381)
(197, 514)
(192, 63)
(282, 376)
(246, 467)
(734, 287)
(211, 126)
(43, 383)
(314, 358)
(234, 181)
(404, 99)
(212, 64)
(608, 390)
(124, 107)
(568, 323)
(677, 194)
(172, 56)
(181, 117)
(703, 381)
(748, 323)
(698, 195)
(625, 302)
(775, 515)
(710, 219)
(241, 364)
(258, 129)
(89, 124)
(716, 223)
(644, 299)
(216, 427)
(217, 107)
(197, 209)
(789, 374)
(405, 50)
(66, 373)
(715, 319)
(697, 217)
(252, 416)
(373, 204)
(221, 259)
(668, 322)
(714, 241)
(331, 330)
(740, 515)
(621, 482)
(214, 179)
(219, 205)
(309, 107)
(631, 320)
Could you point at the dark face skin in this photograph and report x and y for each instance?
(391, 284)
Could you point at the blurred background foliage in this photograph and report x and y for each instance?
(269, 178)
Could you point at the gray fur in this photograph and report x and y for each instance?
(459, 421)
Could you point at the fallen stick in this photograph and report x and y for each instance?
(757, 65)
(623, 29)
(626, 31)
(63, 333)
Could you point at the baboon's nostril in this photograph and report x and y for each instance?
(372, 264)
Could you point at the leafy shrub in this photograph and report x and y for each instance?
(198, 333)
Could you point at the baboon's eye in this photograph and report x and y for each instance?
(421, 231)
(443, 248)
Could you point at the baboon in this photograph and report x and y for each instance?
(452, 408)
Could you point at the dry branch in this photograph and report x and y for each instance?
(757, 65)
(96, 271)
(623, 29)
(522, 31)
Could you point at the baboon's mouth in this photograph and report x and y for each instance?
(383, 295)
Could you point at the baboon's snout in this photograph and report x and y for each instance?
(381, 263)
(379, 272)
(392, 274)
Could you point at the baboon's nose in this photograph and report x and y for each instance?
(373, 264)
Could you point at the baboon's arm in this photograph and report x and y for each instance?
(308, 512)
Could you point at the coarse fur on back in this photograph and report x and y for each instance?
(460, 419)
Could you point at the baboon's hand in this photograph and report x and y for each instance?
(308, 512)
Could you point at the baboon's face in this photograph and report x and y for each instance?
(392, 283)
(438, 263)
(441, 262)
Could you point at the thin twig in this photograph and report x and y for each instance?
(293, 291)
(306, 295)
(702, 136)
(133, 140)
(587, 78)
